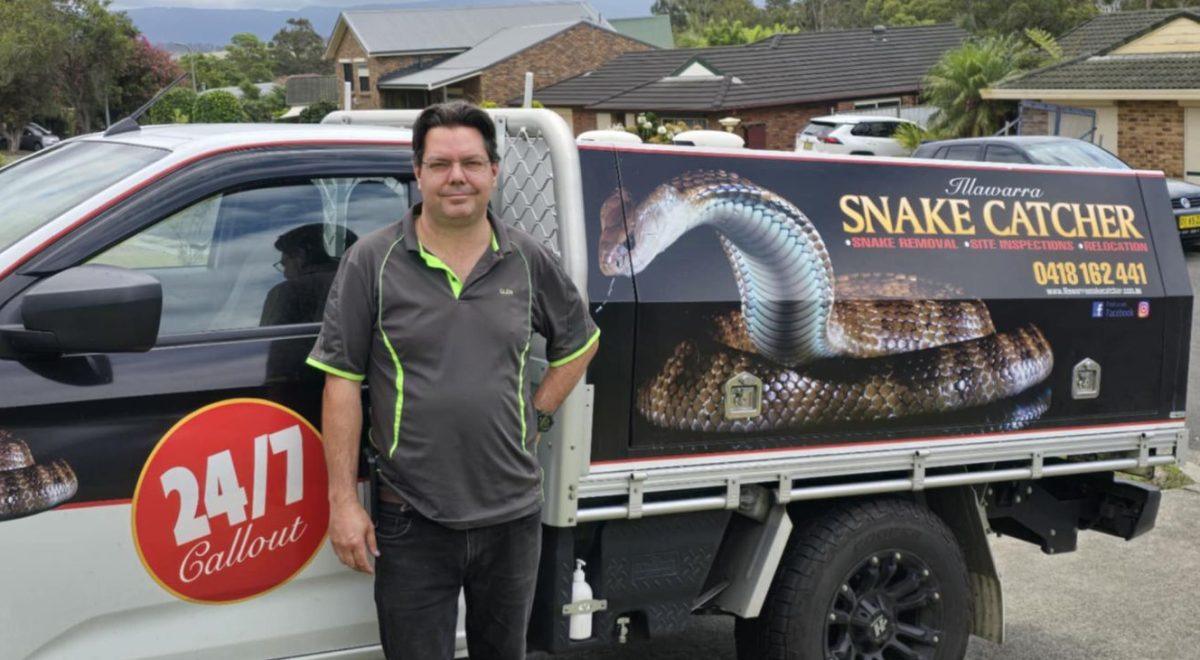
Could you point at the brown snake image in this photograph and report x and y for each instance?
(27, 488)
(828, 349)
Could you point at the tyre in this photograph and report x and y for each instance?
(869, 580)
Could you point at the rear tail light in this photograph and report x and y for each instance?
(830, 140)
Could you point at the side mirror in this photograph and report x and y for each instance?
(87, 309)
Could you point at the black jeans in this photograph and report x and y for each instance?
(419, 572)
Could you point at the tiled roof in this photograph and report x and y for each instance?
(1094, 68)
(1178, 71)
(784, 69)
(1108, 30)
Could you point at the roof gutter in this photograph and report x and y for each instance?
(429, 87)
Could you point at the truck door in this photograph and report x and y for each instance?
(194, 471)
(612, 297)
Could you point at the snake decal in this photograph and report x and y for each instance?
(828, 348)
(26, 487)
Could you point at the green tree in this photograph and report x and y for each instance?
(314, 113)
(694, 15)
(1137, 5)
(146, 72)
(211, 70)
(250, 58)
(94, 54)
(31, 38)
(1008, 16)
(955, 84)
(299, 49)
(217, 107)
(262, 108)
(179, 103)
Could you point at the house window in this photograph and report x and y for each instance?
(874, 104)
(454, 93)
(691, 122)
(364, 78)
(347, 72)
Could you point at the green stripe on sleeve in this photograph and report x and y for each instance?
(395, 358)
(581, 351)
(358, 378)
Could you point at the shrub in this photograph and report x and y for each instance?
(314, 113)
(217, 108)
(175, 104)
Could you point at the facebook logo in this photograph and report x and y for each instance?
(1097, 310)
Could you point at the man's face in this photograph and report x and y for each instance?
(456, 177)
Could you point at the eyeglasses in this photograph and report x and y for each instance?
(474, 166)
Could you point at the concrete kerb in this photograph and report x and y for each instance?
(1192, 470)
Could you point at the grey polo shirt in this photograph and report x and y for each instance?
(448, 365)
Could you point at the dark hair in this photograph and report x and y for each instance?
(310, 240)
(454, 113)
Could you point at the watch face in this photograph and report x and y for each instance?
(544, 422)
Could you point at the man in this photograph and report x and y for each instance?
(437, 313)
(308, 272)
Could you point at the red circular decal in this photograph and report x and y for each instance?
(232, 502)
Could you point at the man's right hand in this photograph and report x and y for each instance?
(352, 535)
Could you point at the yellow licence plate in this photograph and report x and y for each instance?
(808, 145)
(1189, 221)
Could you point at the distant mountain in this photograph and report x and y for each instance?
(209, 29)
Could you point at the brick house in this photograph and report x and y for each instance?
(408, 58)
(774, 86)
(1139, 72)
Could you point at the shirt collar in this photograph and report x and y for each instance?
(501, 243)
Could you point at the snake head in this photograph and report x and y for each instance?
(614, 240)
(633, 236)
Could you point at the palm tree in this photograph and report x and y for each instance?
(955, 82)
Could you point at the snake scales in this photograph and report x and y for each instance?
(27, 488)
(829, 349)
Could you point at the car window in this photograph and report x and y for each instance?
(962, 152)
(998, 153)
(38, 189)
(886, 129)
(863, 129)
(819, 128)
(1074, 153)
(259, 256)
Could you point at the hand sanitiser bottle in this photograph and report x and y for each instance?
(581, 624)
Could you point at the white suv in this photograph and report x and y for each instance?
(852, 134)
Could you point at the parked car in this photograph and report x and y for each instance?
(1056, 150)
(34, 137)
(852, 134)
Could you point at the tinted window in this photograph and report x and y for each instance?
(863, 129)
(258, 256)
(38, 189)
(886, 129)
(961, 152)
(997, 153)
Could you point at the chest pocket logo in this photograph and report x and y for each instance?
(506, 292)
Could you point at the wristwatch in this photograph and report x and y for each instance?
(545, 421)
